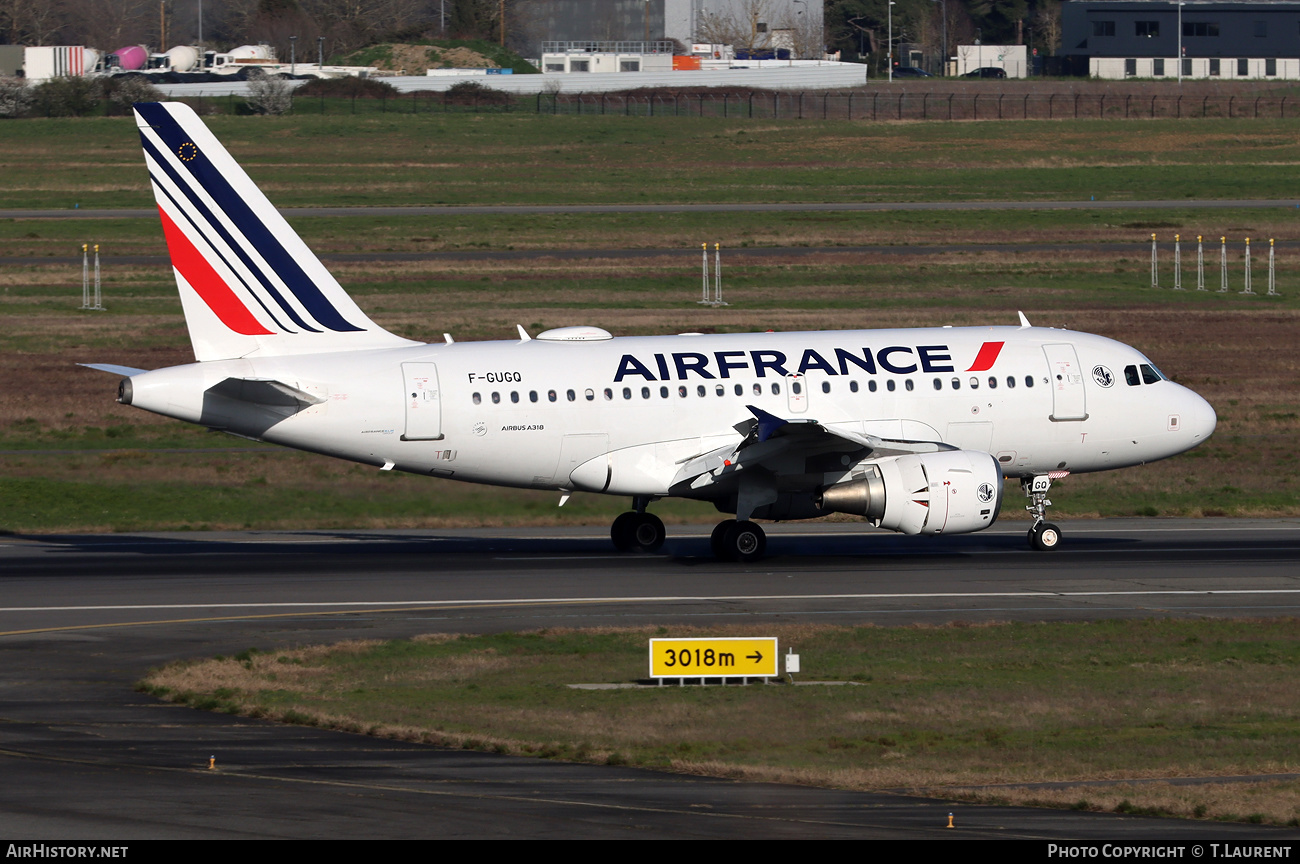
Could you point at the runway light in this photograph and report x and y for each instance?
(212, 763)
(950, 825)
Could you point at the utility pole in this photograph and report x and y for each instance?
(890, 59)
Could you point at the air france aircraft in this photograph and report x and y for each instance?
(914, 430)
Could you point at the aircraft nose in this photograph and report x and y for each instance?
(1199, 418)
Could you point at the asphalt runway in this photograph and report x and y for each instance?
(84, 617)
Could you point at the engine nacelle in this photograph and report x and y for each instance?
(949, 492)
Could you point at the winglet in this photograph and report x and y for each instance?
(767, 423)
(1024, 322)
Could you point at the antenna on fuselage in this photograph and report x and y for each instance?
(1024, 322)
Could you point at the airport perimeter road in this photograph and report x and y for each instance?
(82, 618)
(793, 207)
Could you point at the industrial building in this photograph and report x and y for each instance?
(1208, 39)
(769, 24)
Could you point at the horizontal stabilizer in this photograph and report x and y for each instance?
(114, 369)
(265, 392)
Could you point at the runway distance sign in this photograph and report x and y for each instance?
(730, 656)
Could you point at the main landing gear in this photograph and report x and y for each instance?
(1044, 536)
(637, 530)
(738, 541)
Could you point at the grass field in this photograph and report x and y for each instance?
(126, 474)
(491, 159)
(978, 712)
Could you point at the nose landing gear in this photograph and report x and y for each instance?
(1044, 536)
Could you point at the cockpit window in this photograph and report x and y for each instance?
(1150, 374)
(1131, 376)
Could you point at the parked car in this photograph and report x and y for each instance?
(910, 72)
(986, 72)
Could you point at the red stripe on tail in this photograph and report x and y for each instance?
(988, 355)
(210, 286)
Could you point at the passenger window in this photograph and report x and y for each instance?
(871, 385)
(907, 385)
(956, 383)
(478, 399)
(609, 394)
(570, 395)
(1029, 380)
(550, 394)
(1131, 376)
(1011, 382)
(627, 392)
(853, 386)
(890, 385)
(938, 384)
(532, 395)
(826, 386)
(590, 394)
(740, 390)
(776, 389)
(993, 383)
(645, 392)
(681, 391)
(1149, 374)
(758, 389)
(663, 392)
(700, 391)
(720, 390)
(974, 383)
(496, 397)
(514, 396)
(796, 387)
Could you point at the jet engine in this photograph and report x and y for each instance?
(949, 492)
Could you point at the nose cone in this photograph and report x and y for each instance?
(1199, 418)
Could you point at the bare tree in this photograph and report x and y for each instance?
(31, 22)
(1047, 24)
(806, 31)
(745, 26)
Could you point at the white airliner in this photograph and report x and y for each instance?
(914, 430)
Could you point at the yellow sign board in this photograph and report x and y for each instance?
(731, 657)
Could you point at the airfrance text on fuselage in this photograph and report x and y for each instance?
(896, 359)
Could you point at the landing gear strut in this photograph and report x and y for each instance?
(637, 530)
(738, 541)
(1044, 536)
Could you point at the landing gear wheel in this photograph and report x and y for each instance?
(648, 533)
(637, 532)
(1044, 537)
(744, 542)
(719, 535)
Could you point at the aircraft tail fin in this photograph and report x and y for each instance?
(249, 286)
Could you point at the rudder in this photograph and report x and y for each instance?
(248, 284)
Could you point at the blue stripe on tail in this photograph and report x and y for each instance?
(234, 207)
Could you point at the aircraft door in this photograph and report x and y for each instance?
(796, 391)
(423, 402)
(1066, 379)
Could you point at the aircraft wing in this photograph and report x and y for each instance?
(770, 440)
